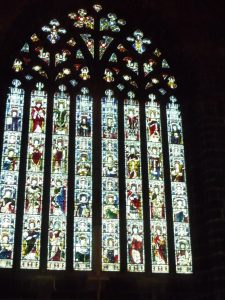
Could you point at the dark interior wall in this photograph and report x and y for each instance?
(191, 34)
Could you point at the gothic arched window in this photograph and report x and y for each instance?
(93, 139)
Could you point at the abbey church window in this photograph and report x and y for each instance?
(93, 116)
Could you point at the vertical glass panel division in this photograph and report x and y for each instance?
(181, 225)
(134, 202)
(83, 182)
(59, 180)
(110, 184)
(30, 254)
(157, 205)
(10, 172)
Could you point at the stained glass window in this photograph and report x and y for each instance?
(100, 99)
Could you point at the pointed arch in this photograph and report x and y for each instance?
(88, 54)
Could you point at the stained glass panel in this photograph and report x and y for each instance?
(9, 174)
(110, 184)
(182, 239)
(134, 202)
(31, 232)
(83, 183)
(157, 203)
(59, 179)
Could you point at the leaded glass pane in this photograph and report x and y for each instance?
(134, 201)
(31, 232)
(9, 174)
(157, 203)
(182, 239)
(83, 182)
(110, 185)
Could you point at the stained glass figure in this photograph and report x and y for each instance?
(54, 31)
(59, 179)
(9, 174)
(82, 20)
(89, 41)
(134, 202)
(83, 183)
(139, 42)
(182, 239)
(110, 184)
(157, 204)
(31, 234)
(104, 44)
